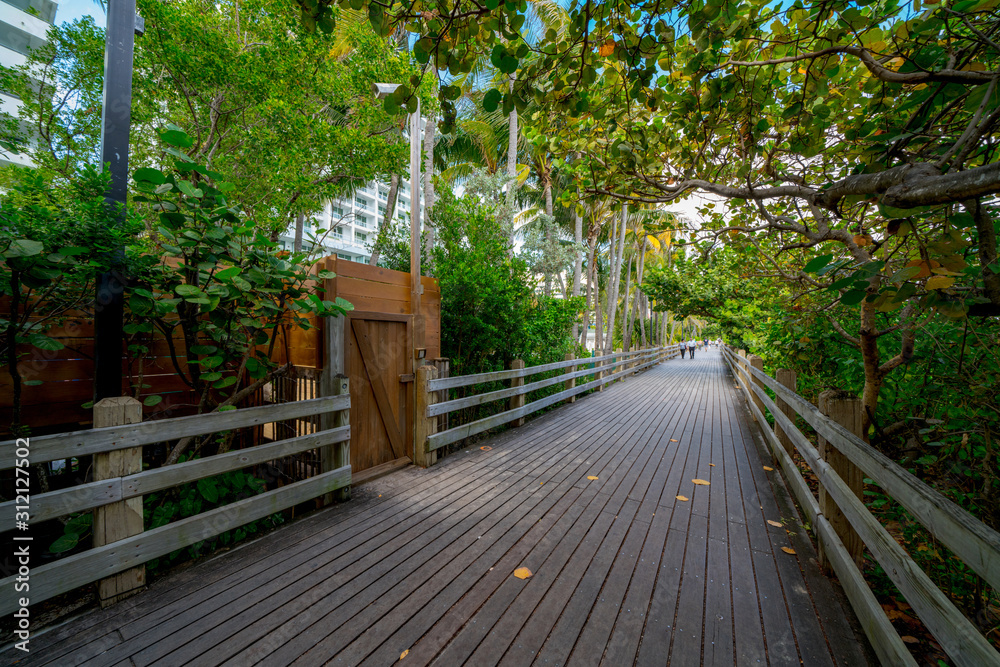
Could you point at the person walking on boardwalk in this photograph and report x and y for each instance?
(683, 347)
(691, 346)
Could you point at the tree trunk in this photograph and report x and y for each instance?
(383, 228)
(598, 321)
(642, 319)
(627, 312)
(511, 160)
(639, 262)
(616, 280)
(987, 252)
(638, 289)
(873, 375)
(591, 271)
(300, 223)
(611, 279)
(430, 128)
(578, 259)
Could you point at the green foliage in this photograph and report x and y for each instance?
(490, 314)
(164, 507)
(545, 252)
(714, 288)
(55, 239)
(490, 311)
(216, 278)
(62, 84)
(286, 113)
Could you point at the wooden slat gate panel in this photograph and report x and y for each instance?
(377, 354)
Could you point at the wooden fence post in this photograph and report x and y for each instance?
(333, 382)
(785, 378)
(844, 409)
(620, 357)
(741, 359)
(599, 374)
(571, 382)
(517, 401)
(758, 363)
(337, 455)
(116, 521)
(443, 364)
(423, 425)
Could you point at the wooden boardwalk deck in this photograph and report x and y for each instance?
(423, 560)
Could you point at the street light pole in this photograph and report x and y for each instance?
(116, 120)
(416, 287)
(381, 91)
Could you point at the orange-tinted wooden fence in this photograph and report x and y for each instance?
(66, 375)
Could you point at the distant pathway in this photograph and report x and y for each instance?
(423, 561)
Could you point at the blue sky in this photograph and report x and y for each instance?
(71, 10)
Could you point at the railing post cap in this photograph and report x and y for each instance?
(115, 400)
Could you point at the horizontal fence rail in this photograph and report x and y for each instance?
(100, 440)
(87, 496)
(976, 543)
(496, 376)
(134, 550)
(631, 361)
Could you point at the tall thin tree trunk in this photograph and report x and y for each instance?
(641, 298)
(430, 197)
(590, 283)
(598, 321)
(616, 279)
(512, 133)
(627, 312)
(642, 318)
(383, 227)
(300, 223)
(577, 257)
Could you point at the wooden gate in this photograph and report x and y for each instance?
(374, 347)
(377, 363)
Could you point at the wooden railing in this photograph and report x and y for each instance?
(974, 542)
(118, 497)
(607, 368)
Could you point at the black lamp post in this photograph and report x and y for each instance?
(116, 119)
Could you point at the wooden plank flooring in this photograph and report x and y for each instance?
(422, 560)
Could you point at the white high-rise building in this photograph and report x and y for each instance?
(24, 25)
(352, 222)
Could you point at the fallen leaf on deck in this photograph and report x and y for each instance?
(404, 654)
(540, 483)
(788, 550)
(682, 498)
(672, 440)
(768, 468)
(486, 448)
(591, 477)
(775, 523)
(712, 464)
(910, 640)
(522, 573)
(700, 482)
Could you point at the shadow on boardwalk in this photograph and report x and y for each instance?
(585, 497)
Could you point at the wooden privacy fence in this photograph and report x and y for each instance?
(974, 542)
(607, 368)
(121, 547)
